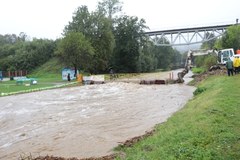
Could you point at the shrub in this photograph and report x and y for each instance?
(205, 61)
(199, 90)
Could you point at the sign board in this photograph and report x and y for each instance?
(98, 78)
(93, 78)
(1, 76)
(67, 71)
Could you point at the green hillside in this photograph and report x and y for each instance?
(51, 68)
(47, 75)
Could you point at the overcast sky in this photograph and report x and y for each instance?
(47, 18)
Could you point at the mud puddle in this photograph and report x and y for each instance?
(84, 121)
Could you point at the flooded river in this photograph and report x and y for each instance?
(84, 121)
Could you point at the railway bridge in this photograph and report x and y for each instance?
(188, 36)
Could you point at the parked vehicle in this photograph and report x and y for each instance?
(224, 54)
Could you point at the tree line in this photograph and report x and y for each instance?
(112, 40)
(17, 53)
(96, 41)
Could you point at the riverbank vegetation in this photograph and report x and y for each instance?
(47, 76)
(208, 127)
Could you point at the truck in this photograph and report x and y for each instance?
(224, 54)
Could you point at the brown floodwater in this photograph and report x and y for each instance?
(84, 121)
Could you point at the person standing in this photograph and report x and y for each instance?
(229, 66)
(68, 77)
(237, 64)
(112, 75)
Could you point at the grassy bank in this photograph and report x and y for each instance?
(208, 127)
(47, 82)
(48, 76)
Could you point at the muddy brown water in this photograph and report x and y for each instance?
(84, 121)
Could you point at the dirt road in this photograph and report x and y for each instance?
(84, 121)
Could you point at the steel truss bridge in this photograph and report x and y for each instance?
(187, 36)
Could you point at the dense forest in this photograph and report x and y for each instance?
(95, 41)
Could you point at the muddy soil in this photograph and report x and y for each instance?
(85, 121)
(199, 77)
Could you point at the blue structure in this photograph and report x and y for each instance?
(66, 71)
(1, 76)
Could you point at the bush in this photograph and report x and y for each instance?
(209, 61)
(199, 90)
(205, 61)
(198, 70)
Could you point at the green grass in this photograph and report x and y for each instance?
(198, 70)
(10, 87)
(47, 75)
(52, 67)
(208, 127)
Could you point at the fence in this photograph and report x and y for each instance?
(14, 73)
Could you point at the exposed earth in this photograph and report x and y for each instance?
(86, 121)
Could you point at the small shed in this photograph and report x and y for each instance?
(66, 71)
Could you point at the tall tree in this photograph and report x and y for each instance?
(209, 44)
(8, 39)
(165, 55)
(76, 51)
(147, 59)
(22, 36)
(103, 42)
(81, 22)
(128, 35)
(232, 38)
(109, 7)
(98, 30)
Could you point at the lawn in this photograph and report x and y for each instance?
(46, 82)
